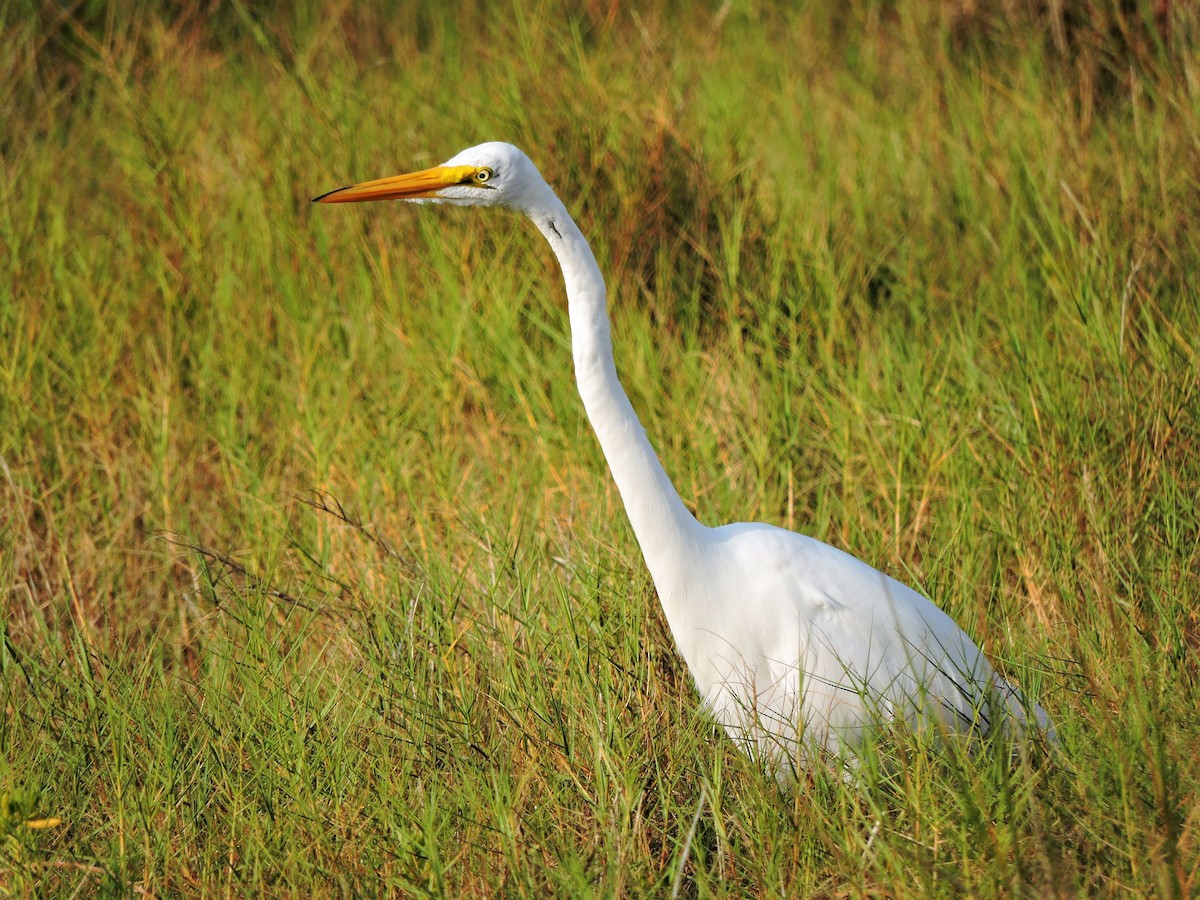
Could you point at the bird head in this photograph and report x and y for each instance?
(491, 174)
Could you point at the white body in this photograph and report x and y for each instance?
(815, 645)
(793, 644)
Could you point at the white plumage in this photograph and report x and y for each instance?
(792, 643)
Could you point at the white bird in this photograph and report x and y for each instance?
(794, 645)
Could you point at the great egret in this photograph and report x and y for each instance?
(793, 644)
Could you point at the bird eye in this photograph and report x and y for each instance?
(483, 176)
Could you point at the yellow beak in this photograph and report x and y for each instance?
(413, 186)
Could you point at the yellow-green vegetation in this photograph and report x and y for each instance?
(314, 580)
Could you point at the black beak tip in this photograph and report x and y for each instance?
(327, 194)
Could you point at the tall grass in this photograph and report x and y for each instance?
(314, 579)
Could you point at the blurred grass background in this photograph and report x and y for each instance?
(315, 580)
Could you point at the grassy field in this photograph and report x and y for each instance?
(314, 578)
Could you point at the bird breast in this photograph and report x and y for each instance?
(790, 640)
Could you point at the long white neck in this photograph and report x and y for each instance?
(663, 526)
